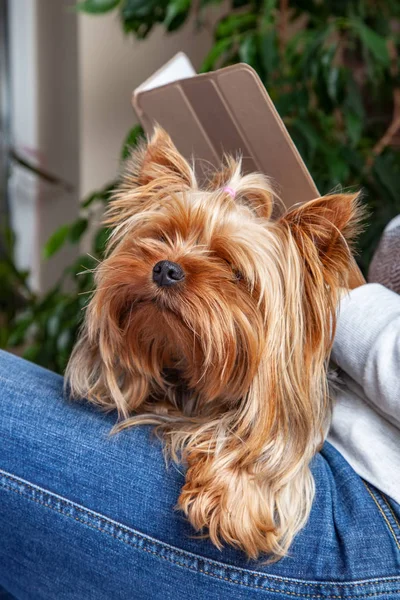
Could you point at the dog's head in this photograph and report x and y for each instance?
(206, 309)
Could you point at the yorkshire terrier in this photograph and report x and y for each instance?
(214, 322)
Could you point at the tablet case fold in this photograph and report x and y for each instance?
(228, 111)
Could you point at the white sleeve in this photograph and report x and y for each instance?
(367, 345)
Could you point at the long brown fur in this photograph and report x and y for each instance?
(230, 364)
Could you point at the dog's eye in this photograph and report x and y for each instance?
(162, 238)
(237, 274)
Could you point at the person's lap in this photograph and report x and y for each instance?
(87, 515)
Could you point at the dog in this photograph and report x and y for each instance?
(214, 322)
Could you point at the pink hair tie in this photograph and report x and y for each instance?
(229, 191)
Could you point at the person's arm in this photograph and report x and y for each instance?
(367, 345)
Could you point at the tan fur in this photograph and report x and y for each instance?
(248, 332)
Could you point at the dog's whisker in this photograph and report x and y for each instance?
(86, 292)
(85, 271)
(94, 258)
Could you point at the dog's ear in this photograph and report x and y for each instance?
(159, 159)
(155, 169)
(325, 228)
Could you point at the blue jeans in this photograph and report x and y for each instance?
(87, 516)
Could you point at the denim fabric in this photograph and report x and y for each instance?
(87, 516)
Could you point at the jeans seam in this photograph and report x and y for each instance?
(383, 513)
(384, 497)
(173, 550)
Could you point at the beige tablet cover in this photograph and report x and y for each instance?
(229, 111)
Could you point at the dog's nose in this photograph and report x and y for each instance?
(167, 273)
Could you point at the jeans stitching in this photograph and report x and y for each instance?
(384, 498)
(173, 550)
(128, 530)
(383, 513)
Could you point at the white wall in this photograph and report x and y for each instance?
(111, 65)
(23, 186)
(44, 129)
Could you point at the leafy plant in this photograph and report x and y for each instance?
(140, 16)
(44, 328)
(332, 70)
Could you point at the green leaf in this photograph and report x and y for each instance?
(337, 165)
(375, 43)
(248, 50)
(354, 126)
(269, 12)
(91, 199)
(100, 196)
(9, 238)
(139, 10)
(32, 353)
(84, 262)
(332, 83)
(97, 7)
(23, 275)
(64, 340)
(77, 229)
(56, 241)
(142, 27)
(310, 43)
(387, 170)
(354, 100)
(215, 54)
(308, 132)
(234, 24)
(19, 331)
(100, 240)
(292, 101)
(268, 51)
(131, 140)
(177, 13)
(206, 2)
(53, 325)
(48, 301)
